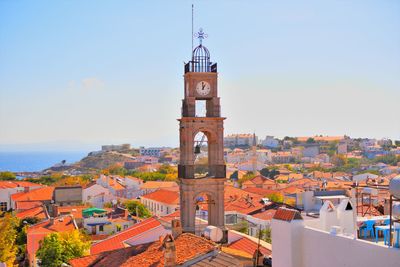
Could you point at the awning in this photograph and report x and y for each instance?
(331, 197)
(100, 223)
(91, 211)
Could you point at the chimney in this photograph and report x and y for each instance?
(51, 220)
(169, 251)
(176, 228)
(55, 210)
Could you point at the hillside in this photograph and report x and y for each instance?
(103, 160)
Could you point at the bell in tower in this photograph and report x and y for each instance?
(201, 86)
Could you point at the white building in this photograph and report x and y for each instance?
(234, 140)
(7, 188)
(270, 142)
(151, 151)
(96, 195)
(328, 241)
(161, 202)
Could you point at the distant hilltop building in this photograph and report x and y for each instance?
(151, 151)
(270, 142)
(239, 140)
(115, 147)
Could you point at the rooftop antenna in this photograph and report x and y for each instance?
(192, 25)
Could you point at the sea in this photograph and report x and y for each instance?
(36, 161)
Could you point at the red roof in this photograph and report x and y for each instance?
(171, 216)
(284, 214)
(260, 191)
(37, 212)
(266, 215)
(248, 246)
(40, 194)
(7, 184)
(109, 258)
(14, 184)
(117, 241)
(164, 196)
(188, 246)
(26, 205)
(76, 211)
(241, 201)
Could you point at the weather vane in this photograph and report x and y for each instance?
(201, 35)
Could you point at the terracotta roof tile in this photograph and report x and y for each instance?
(117, 241)
(260, 191)
(163, 196)
(14, 184)
(248, 246)
(109, 258)
(188, 246)
(284, 214)
(157, 185)
(37, 212)
(26, 205)
(40, 194)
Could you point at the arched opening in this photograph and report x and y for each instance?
(201, 155)
(203, 206)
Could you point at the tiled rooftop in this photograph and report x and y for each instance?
(188, 246)
(37, 212)
(248, 246)
(164, 196)
(284, 214)
(40, 194)
(117, 241)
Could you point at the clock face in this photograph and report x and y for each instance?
(203, 88)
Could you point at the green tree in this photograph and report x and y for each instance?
(58, 248)
(50, 252)
(265, 235)
(339, 160)
(75, 244)
(310, 140)
(7, 176)
(137, 209)
(243, 227)
(275, 197)
(166, 168)
(8, 235)
(249, 175)
(390, 159)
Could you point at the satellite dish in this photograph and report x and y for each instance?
(114, 201)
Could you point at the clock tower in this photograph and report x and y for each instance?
(201, 84)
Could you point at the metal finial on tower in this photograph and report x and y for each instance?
(201, 35)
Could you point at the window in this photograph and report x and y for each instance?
(3, 206)
(167, 210)
(231, 219)
(162, 208)
(125, 226)
(101, 228)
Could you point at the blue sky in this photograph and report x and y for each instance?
(76, 74)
